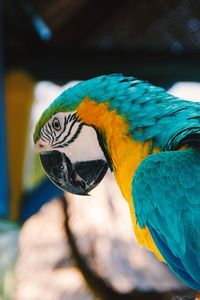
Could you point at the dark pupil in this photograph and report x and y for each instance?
(56, 124)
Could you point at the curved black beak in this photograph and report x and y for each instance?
(77, 178)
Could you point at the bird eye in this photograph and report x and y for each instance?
(56, 124)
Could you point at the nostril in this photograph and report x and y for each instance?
(40, 146)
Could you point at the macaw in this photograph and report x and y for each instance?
(150, 140)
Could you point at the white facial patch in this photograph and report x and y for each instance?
(65, 133)
(60, 129)
(85, 147)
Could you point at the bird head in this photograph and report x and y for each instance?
(71, 152)
(85, 131)
(70, 142)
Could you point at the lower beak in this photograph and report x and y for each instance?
(77, 178)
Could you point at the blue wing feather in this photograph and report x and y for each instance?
(166, 193)
(174, 263)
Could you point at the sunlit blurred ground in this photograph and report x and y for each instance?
(102, 228)
(45, 269)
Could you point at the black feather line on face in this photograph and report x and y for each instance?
(75, 135)
(52, 133)
(65, 125)
(68, 118)
(73, 138)
(66, 136)
(46, 133)
(44, 136)
(72, 117)
(50, 128)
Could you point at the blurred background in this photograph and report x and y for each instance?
(55, 246)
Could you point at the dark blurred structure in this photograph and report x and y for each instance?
(158, 40)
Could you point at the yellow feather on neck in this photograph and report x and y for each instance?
(125, 152)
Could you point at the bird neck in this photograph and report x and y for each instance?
(126, 153)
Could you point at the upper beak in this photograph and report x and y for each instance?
(77, 178)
